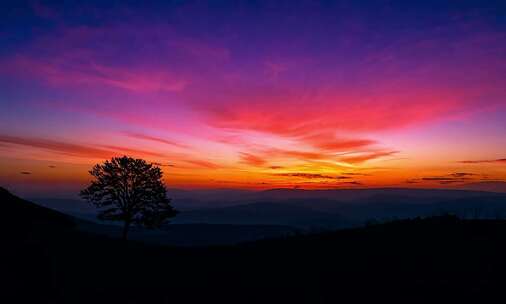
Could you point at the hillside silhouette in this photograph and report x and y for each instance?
(22, 217)
(434, 259)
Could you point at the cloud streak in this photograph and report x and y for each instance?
(73, 149)
(501, 161)
(203, 164)
(155, 139)
(363, 157)
(252, 160)
(310, 175)
(451, 178)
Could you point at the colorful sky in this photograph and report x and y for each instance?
(253, 94)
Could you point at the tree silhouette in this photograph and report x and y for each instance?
(129, 190)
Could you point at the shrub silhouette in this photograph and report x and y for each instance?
(129, 190)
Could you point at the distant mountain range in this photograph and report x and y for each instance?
(490, 186)
(24, 218)
(314, 209)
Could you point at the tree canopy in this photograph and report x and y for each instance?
(129, 190)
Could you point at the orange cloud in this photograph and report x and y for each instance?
(276, 167)
(311, 175)
(251, 159)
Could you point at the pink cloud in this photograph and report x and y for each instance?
(132, 151)
(294, 112)
(328, 141)
(297, 154)
(73, 149)
(155, 139)
(62, 72)
(203, 164)
(367, 156)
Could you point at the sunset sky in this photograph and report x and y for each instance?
(254, 95)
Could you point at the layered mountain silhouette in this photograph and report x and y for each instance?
(38, 219)
(316, 209)
(438, 259)
(491, 186)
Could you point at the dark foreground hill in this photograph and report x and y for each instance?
(440, 259)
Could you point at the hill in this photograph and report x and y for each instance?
(438, 259)
(21, 217)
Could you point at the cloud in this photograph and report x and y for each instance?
(353, 183)
(25, 172)
(74, 149)
(56, 146)
(162, 165)
(275, 167)
(412, 181)
(355, 174)
(51, 166)
(443, 179)
(62, 71)
(462, 174)
(310, 175)
(489, 161)
(303, 155)
(131, 151)
(251, 159)
(203, 164)
(366, 156)
(312, 156)
(295, 113)
(155, 139)
(328, 141)
(451, 178)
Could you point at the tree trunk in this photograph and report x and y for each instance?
(126, 227)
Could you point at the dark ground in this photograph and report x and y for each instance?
(45, 260)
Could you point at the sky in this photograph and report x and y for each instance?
(254, 94)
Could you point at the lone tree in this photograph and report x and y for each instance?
(129, 190)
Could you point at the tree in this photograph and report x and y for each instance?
(129, 190)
